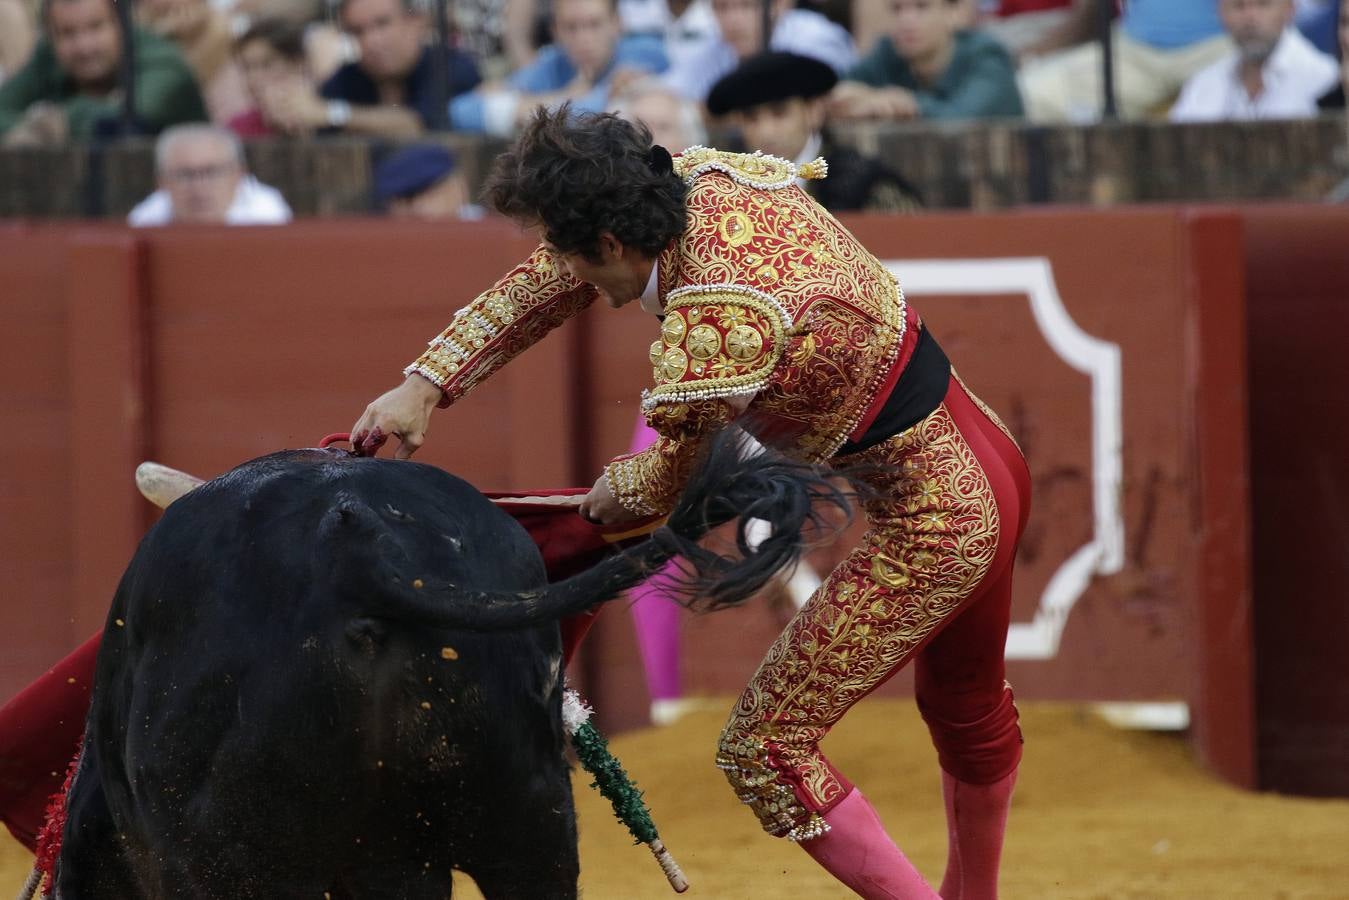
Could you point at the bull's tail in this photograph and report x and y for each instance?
(794, 498)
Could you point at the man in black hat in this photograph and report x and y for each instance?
(421, 181)
(777, 101)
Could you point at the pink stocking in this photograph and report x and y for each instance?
(654, 613)
(857, 851)
(656, 616)
(976, 819)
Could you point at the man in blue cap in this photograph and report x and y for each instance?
(422, 182)
(777, 100)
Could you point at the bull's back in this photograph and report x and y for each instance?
(255, 673)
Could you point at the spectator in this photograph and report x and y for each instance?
(202, 34)
(1317, 19)
(674, 121)
(686, 26)
(388, 92)
(1157, 44)
(423, 182)
(587, 63)
(480, 29)
(523, 30)
(271, 54)
(1334, 98)
(741, 24)
(326, 47)
(1024, 25)
(16, 36)
(297, 12)
(70, 87)
(777, 101)
(1273, 72)
(928, 69)
(203, 180)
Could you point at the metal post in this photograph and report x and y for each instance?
(1104, 13)
(767, 37)
(440, 68)
(128, 75)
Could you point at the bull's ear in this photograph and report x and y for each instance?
(349, 513)
(351, 541)
(360, 550)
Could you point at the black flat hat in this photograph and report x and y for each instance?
(769, 78)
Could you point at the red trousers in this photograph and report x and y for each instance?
(931, 583)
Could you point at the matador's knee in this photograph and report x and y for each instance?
(980, 751)
(767, 767)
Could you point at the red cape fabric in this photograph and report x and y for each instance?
(40, 729)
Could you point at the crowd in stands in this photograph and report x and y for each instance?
(777, 71)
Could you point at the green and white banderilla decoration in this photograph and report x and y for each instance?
(593, 752)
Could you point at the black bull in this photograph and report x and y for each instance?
(326, 675)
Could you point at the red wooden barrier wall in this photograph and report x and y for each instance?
(1297, 272)
(205, 347)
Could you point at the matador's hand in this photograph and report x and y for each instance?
(601, 507)
(404, 412)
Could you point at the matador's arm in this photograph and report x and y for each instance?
(718, 346)
(531, 300)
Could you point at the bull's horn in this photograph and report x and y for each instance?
(162, 485)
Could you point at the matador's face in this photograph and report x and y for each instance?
(620, 273)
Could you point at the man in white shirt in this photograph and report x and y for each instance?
(741, 24)
(203, 180)
(1273, 73)
(687, 26)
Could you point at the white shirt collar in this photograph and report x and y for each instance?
(1292, 55)
(650, 299)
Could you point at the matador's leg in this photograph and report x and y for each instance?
(934, 539)
(961, 690)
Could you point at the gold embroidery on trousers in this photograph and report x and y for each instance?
(933, 537)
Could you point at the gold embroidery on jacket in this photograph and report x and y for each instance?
(719, 341)
(845, 311)
(807, 324)
(530, 301)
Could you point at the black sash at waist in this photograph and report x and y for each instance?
(918, 391)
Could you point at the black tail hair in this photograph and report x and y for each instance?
(798, 501)
(794, 498)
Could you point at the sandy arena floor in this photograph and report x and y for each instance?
(1098, 814)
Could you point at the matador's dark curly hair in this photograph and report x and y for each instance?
(579, 174)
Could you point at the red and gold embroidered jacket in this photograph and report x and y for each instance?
(775, 317)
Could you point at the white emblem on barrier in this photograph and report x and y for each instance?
(1100, 360)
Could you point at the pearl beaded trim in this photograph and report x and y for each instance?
(451, 346)
(731, 164)
(760, 367)
(758, 787)
(692, 394)
(623, 484)
(728, 288)
(434, 377)
(470, 330)
(879, 376)
(483, 322)
(812, 829)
